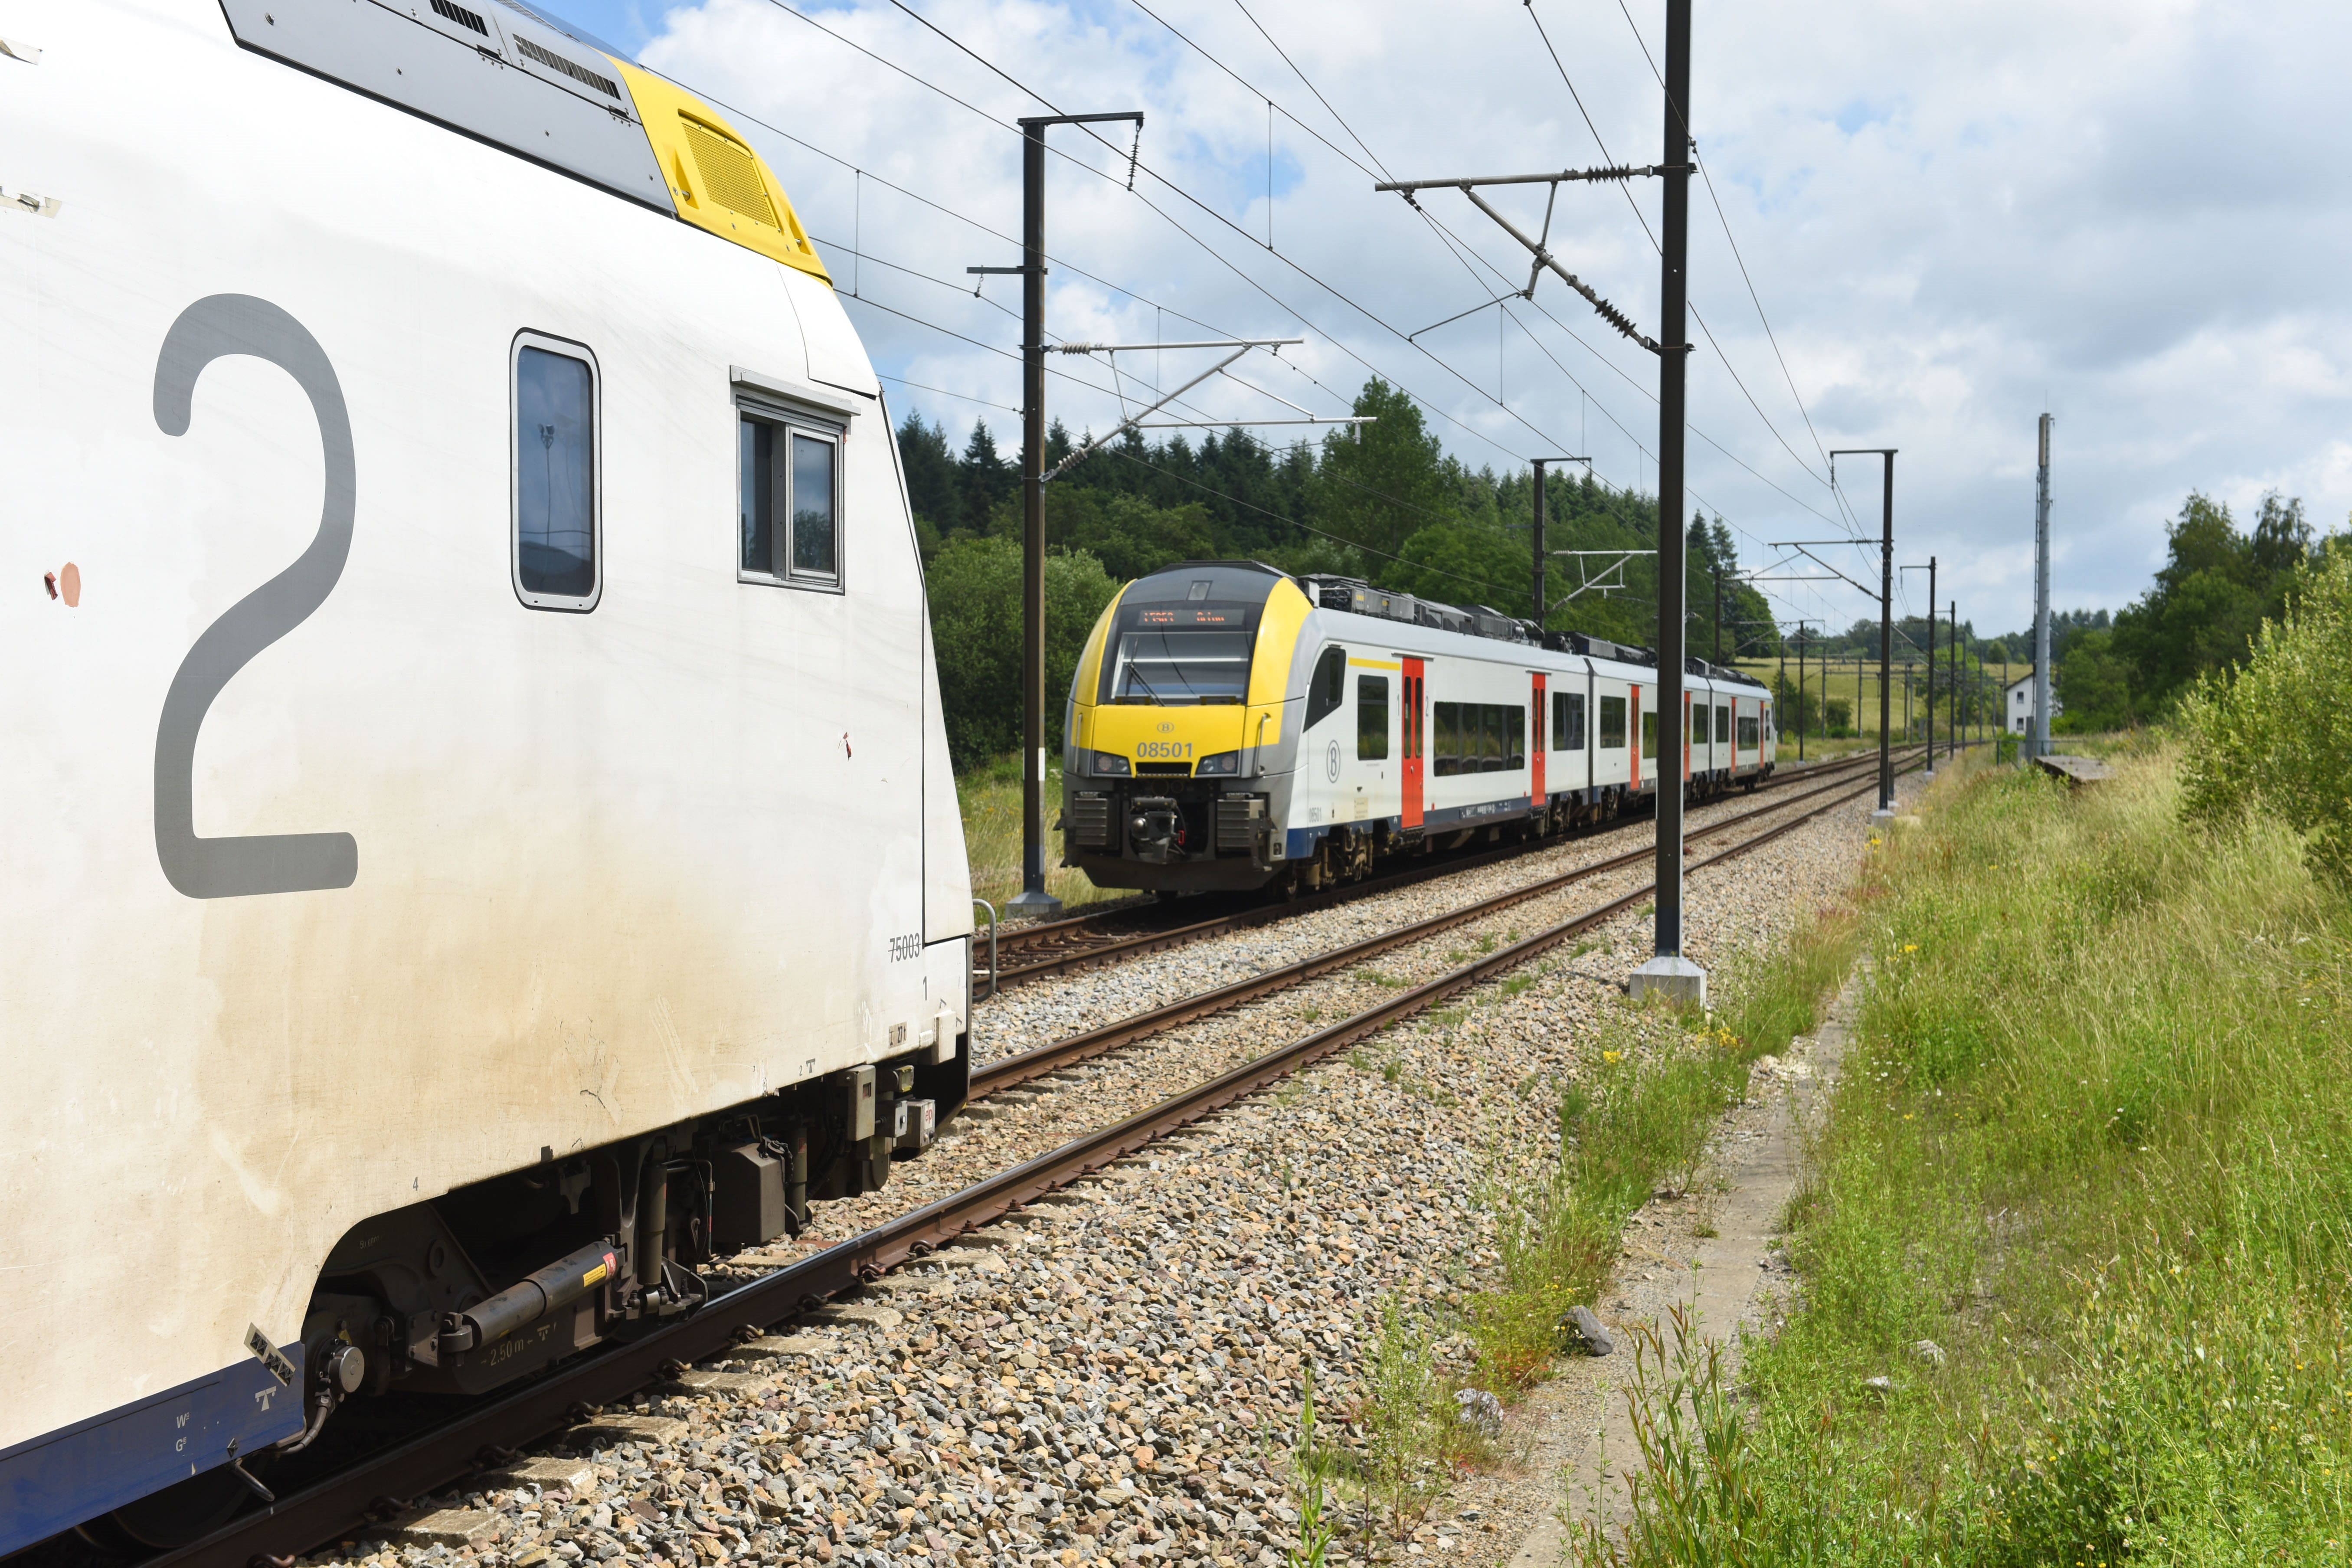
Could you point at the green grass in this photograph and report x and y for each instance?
(990, 799)
(2093, 1142)
(1641, 1113)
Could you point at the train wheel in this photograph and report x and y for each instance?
(183, 1512)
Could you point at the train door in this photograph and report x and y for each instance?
(1644, 732)
(1539, 739)
(1415, 736)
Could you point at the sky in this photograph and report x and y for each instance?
(1922, 225)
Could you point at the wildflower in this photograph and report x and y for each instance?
(1613, 1057)
(1910, 947)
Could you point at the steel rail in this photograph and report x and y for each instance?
(1055, 1056)
(298, 1522)
(1086, 948)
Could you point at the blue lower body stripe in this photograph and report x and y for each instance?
(60, 1478)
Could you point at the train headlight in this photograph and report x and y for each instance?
(1110, 766)
(1225, 764)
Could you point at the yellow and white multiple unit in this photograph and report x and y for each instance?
(1231, 727)
(478, 805)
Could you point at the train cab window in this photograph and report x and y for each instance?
(790, 506)
(1372, 718)
(1567, 721)
(1723, 721)
(1613, 723)
(1328, 687)
(557, 490)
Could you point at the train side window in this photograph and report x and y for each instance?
(558, 489)
(1372, 718)
(1700, 723)
(1747, 727)
(1723, 721)
(1567, 721)
(789, 499)
(1328, 687)
(1613, 723)
(1649, 733)
(1449, 740)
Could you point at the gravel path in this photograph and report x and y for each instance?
(1116, 1373)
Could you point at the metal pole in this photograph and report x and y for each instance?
(1800, 692)
(1669, 973)
(1033, 899)
(1539, 545)
(2039, 738)
(1718, 615)
(1952, 720)
(1886, 642)
(1931, 671)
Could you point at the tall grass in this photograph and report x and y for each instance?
(1641, 1114)
(991, 798)
(2076, 1246)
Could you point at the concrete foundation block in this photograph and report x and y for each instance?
(1676, 980)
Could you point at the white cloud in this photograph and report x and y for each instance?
(2130, 213)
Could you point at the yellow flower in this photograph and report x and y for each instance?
(1910, 947)
(1613, 1057)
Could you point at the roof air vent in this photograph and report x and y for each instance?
(730, 176)
(462, 16)
(556, 62)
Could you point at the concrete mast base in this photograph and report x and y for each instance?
(1675, 979)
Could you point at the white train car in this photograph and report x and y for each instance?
(480, 831)
(1231, 727)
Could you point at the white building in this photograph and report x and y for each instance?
(2017, 707)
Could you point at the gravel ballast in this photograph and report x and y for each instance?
(1115, 1373)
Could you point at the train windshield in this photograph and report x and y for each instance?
(1187, 665)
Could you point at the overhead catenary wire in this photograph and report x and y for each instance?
(1303, 271)
(1723, 218)
(1169, 218)
(1451, 241)
(1561, 66)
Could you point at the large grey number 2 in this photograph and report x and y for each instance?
(212, 328)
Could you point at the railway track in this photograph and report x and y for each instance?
(1084, 942)
(1009, 1072)
(493, 1429)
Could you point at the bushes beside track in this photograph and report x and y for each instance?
(2077, 1248)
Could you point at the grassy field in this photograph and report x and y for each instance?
(2074, 1249)
(991, 798)
(1843, 687)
